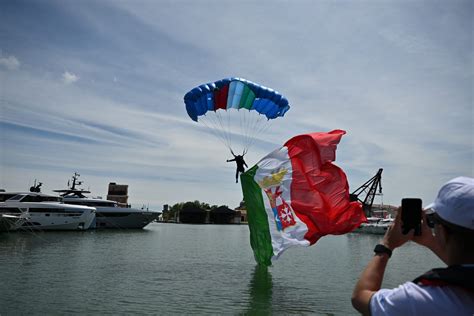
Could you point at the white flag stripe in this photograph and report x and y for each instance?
(273, 163)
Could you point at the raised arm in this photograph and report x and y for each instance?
(369, 282)
(371, 278)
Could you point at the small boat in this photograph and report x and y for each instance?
(375, 225)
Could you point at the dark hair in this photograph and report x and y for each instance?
(464, 237)
(464, 240)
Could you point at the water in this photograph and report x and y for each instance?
(186, 269)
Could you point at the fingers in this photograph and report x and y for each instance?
(399, 213)
(398, 218)
(394, 237)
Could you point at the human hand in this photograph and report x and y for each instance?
(426, 238)
(394, 237)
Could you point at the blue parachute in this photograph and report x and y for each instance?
(228, 103)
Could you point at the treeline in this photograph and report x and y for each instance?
(173, 211)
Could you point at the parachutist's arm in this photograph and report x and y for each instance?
(229, 160)
(245, 164)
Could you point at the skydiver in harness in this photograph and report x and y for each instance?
(239, 160)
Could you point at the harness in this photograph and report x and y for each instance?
(458, 275)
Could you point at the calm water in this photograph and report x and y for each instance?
(186, 269)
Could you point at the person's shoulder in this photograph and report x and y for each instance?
(411, 298)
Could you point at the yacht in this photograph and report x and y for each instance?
(37, 211)
(375, 225)
(109, 214)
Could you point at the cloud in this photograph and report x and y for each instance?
(401, 91)
(10, 62)
(69, 78)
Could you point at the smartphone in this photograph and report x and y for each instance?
(411, 215)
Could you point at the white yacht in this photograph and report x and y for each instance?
(109, 214)
(375, 225)
(44, 212)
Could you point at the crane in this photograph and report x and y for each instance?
(370, 188)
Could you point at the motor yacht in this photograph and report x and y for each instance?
(375, 225)
(37, 211)
(109, 214)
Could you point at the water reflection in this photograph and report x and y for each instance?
(260, 289)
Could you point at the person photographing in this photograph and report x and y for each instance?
(442, 291)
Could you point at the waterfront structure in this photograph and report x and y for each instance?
(191, 214)
(118, 193)
(224, 215)
(243, 212)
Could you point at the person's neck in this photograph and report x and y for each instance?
(458, 258)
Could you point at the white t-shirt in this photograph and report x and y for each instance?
(412, 299)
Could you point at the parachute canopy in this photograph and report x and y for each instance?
(235, 108)
(235, 93)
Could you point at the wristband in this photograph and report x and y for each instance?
(382, 249)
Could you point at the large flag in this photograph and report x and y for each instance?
(295, 195)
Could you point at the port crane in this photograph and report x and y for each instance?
(371, 188)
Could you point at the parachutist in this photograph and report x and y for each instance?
(239, 160)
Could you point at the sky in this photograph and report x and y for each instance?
(96, 87)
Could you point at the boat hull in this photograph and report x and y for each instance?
(59, 221)
(124, 220)
(10, 222)
(372, 229)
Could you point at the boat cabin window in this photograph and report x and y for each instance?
(9, 210)
(16, 197)
(46, 210)
(41, 198)
(6, 196)
(92, 203)
(103, 204)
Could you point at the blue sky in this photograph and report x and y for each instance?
(97, 87)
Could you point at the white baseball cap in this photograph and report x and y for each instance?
(455, 202)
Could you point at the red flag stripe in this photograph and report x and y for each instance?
(319, 189)
(220, 98)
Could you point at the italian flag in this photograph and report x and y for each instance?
(295, 195)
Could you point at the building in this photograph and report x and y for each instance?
(118, 193)
(225, 215)
(193, 215)
(243, 212)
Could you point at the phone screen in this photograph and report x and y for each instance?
(411, 215)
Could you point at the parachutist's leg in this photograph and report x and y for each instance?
(237, 176)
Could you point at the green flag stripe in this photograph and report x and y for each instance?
(244, 96)
(260, 238)
(247, 102)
